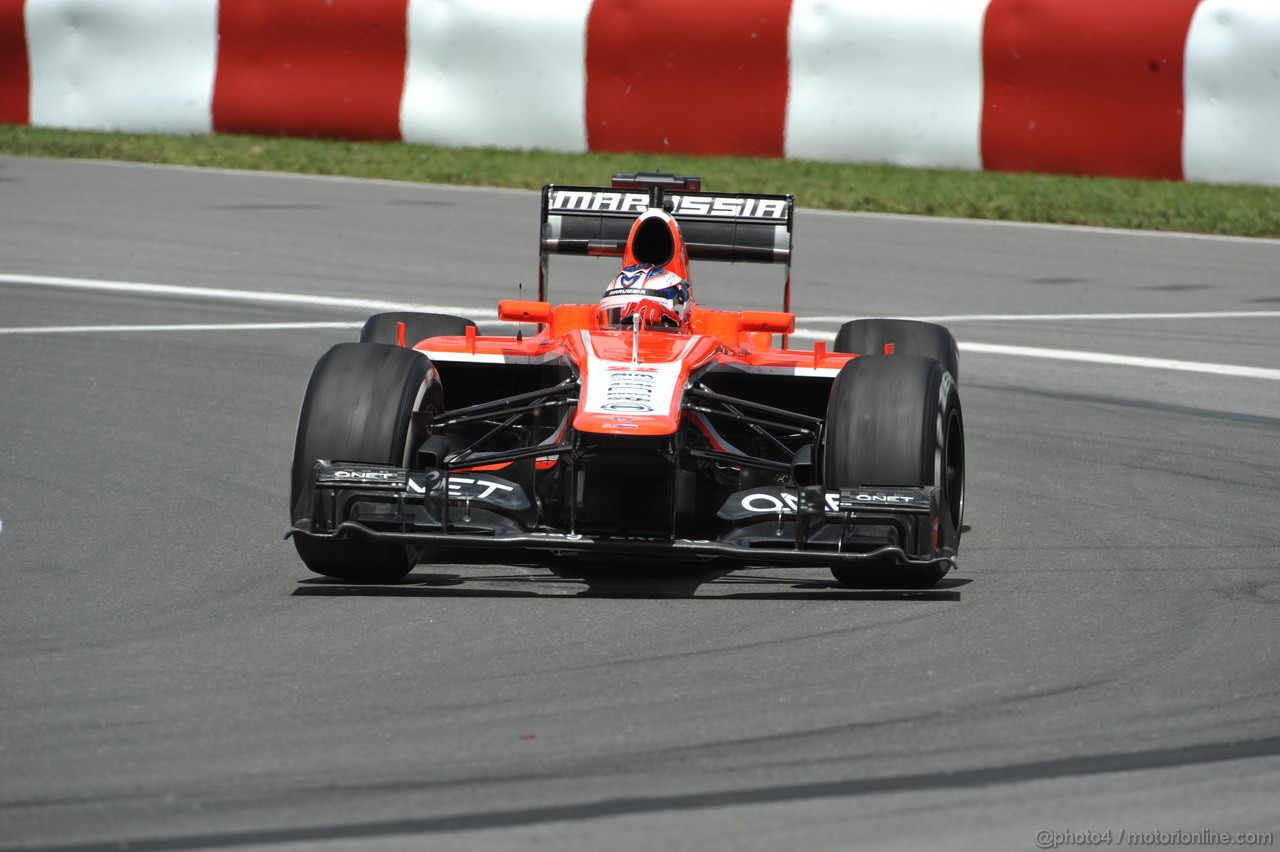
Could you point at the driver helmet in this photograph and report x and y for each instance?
(661, 298)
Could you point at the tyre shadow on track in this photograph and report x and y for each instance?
(658, 585)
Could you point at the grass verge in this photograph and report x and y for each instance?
(1104, 202)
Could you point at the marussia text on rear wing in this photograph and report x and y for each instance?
(730, 226)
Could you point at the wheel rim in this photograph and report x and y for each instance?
(953, 468)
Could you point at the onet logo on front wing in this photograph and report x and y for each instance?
(776, 500)
(362, 476)
(484, 489)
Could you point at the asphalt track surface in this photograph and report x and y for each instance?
(1106, 658)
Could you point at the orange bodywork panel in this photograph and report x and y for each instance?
(632, 383)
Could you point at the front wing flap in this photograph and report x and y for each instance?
(771, 525)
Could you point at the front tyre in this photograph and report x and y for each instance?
(908, 337)
(384, 328)
(895, 420)
(359, 407)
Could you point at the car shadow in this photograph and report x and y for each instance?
(648, 584)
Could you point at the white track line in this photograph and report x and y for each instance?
(1068, 317)
(1123, 360)
(224, 295)
(218, 294)
(269, 297)
(1092, 358)
(226, 326)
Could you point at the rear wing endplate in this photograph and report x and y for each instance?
(733, 226)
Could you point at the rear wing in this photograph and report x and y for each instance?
(732, 226)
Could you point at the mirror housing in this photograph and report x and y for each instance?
(774, 322)
(517, 310)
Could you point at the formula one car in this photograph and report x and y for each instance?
(639, 430)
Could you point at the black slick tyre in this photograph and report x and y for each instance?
(895, 420)
(384, 328)
(358, 407)
(908, 337)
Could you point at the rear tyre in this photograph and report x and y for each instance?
(895, 420)
(359, 407)
(909, 337)
(382, 328)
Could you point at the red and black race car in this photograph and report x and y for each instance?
(643, 428)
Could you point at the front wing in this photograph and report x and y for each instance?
(771, 525)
